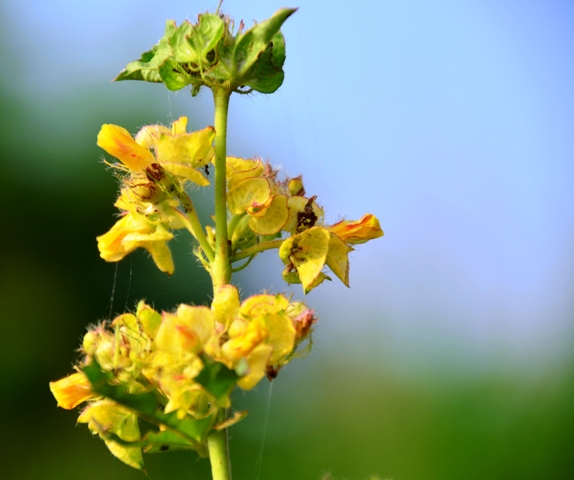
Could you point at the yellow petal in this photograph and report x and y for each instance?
(118, 142)
(239, 169)
(307, 252)
(251, 193)
(161, 255)
(257, 362)
(107, 417)
(194, 149)
(225, 305)
(262, 304)
(338, 258)
(187, 331)
(149, 135)
(281, 336)
(72, 390)
(273, 219)
(186, 171)
(178, 127)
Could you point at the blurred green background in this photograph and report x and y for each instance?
(449, 358)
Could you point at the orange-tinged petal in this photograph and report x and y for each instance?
(72, 390)
(118, 142)
(358, 231)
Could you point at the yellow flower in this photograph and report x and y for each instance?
(261, 336)
(72, 390)
(133, 231)
(306, 253)
(253, 189)
(157, 148)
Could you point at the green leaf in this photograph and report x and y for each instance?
(174, 76)
(152, 442)
(267, 74)
(216, 378)
(206, 54)
(145, 404)
(146, 68)
(249, 58)
(195, 44)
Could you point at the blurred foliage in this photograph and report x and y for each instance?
(352, 419)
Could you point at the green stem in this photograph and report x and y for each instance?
(195, 225)
(235, 219)
(219, 455)
(221, 268)
(258, 248)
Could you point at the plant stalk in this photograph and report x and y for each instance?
(220, 271)
(221, 268)
(219, 455)
(257, 248)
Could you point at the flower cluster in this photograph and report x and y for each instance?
(161, 161)
(188, 360)
(157, 164)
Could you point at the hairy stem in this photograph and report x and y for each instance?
(221, 268)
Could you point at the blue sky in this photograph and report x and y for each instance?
(451, 121)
